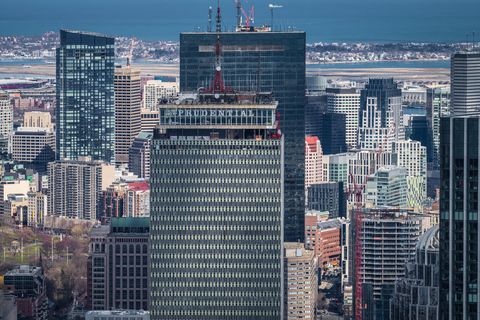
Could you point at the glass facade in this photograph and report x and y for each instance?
(459, 271)
(85, 111)
(263, 61)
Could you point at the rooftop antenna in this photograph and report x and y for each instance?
(467, 42)
(219, 25)
(273, 6)
(473, 41)
(239, 13)
(210, 19)
(218, 82)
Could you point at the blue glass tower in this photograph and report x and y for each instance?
(85, 111)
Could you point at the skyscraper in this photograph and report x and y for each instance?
(6, 123)
(438, 105)
(128, 104)
(85, 110)
(465, 82)
(346, 101)
(217, 208)
(380, 110)
(459, 184)
(266, 62)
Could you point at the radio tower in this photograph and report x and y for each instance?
(218, 82)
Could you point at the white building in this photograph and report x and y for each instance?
(387, 187)
(313, 161)
(118, 315)
(346, 101)
(6, 115)
(157, 89)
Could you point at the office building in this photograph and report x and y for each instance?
(149, 120)
(266, 62)
(119, 265)
(416, 295)
(465, 85)
(85, 110)
(381, 115)
(335, 167)
(74, 187)
(328, 196)
(6, 123)
(118, 315)
(459, 185)
(156, 90)
(346, 101)
(389, 239)
(313, 161)
(316, 85)
(34, 146)
(333, 133)
(128, 104)
(37, 209)
(323, 237)
(413, 156)
(387, 187)
(217, 209)
(139, 155)
(315, 107)
(11, 187)
(438, 105)
(37, 119)
(28, 285)
(301, 282)
(414, 96)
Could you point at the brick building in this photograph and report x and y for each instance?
(324, 237)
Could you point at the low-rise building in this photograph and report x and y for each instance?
(118, 315)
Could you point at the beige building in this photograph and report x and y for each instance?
(33, 145)
(37, 209)
(150, 119)
(37, 119)
(155, 90)
(128, 105)
(75, 187)
(313, 161)
(300, 281)
(6, 115)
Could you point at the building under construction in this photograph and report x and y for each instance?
(389, 237)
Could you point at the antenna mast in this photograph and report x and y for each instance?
(210, 19)
(218, 82)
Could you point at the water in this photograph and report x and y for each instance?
(383, 64)
(324, 21)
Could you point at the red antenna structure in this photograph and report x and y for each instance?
(218, 82)
(357, 191)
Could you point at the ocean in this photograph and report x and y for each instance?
(324, 21)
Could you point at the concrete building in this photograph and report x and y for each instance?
(85, 110)
(6, 123)
(328, 196)
(12, 187)
(28, 285)
(149, 120)
(8, 307)
(387, 187)
(33, 145)
(346, 101)
(438, 105)
(465, 82)
(75, 187)
(416, 295)
(156, 90)
(139, 155)
(300, 281)
(335, 167)
(389, 239)
(414, 95)
(413, 156)
(128, 104)
(119, 265)
(313, 161)
(118, 315)
(37, 119)
(37, 209)
(206, 145)
(380, 111)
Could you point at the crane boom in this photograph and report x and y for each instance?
(247, 18)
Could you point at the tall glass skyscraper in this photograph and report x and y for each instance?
(459, 228)
(465, 82)
(217, 208)
(262, 61)
(85, 110)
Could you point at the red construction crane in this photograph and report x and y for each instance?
(247, 18)
(357, 191)
(129, 59)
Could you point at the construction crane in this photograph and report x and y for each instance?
(247, 18)
(357, 192)
(129, 59)
(273, 6)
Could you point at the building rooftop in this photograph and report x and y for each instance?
(329, 224)
(145, 135)
(87, 33)
(130, 225)
(23, 270)
(120, 312)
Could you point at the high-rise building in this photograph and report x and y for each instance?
(335, 167)
(301, 282)
(35, 146)
(328, 196)
(465, 82)
(438, 105)
(156, 90)
(387, 187)
(125, 200)
(313, 161)
(37, 209)
(459, 184)
(37, 119)
(346, 101)
(266, 62)
(217, 208)
(380, 111)
(85, 110)
(128, 104)
(74, 187)
(139, 155)
(119, 265)
(28, 285)
(315, 107)
(149, 120)
(416, 295)
(6, 123)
